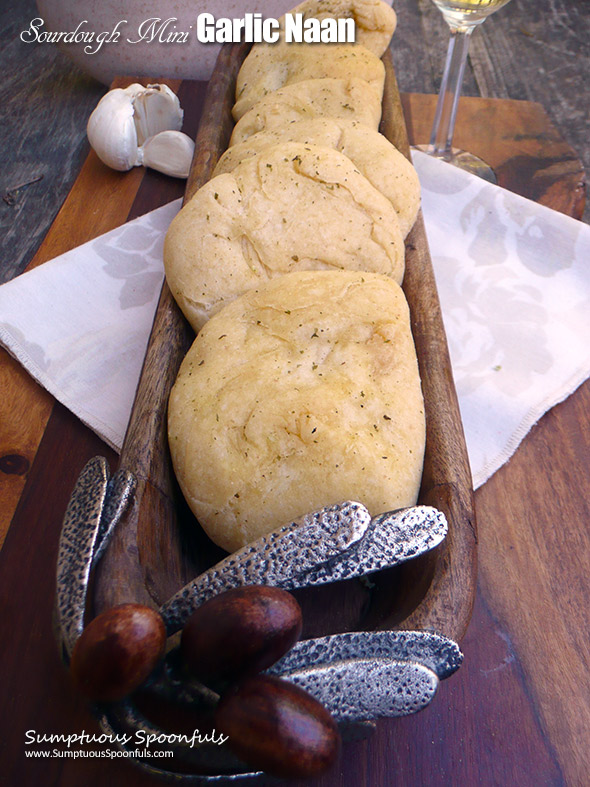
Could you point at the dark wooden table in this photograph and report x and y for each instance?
(518, 712)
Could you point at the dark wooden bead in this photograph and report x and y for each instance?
(117, 651)
(275, 726)
(240, 632)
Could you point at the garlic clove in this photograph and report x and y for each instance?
(125, 118)
(170, 152)
(156, 109)
(111, 131)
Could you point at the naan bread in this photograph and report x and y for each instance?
(372, 154)
(350, 99)
(302, 393)
(269, 67)
(293, 207)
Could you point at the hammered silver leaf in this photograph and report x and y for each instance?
(368, 688)
(390, 539)
(94, 509)
(275, 558)
(440, 654)
(77, 544)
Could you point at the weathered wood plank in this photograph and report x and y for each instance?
(534, 573)
(45, 104)
(24, 410)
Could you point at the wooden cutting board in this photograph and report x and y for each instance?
(502, 719)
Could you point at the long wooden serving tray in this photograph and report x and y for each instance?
(158, 547)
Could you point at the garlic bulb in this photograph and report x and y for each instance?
(126, 120)
(111, 130)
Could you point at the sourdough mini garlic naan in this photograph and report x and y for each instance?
(269, 67)
(300, 394)
(372, 154)
(293, 207)
(349, 99)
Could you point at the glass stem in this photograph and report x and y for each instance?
(441, 137)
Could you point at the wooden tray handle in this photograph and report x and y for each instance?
(446, 479)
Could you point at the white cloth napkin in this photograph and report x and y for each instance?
(513, 279)
(514, 284)
(80, 323)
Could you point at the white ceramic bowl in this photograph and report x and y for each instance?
(190, 60)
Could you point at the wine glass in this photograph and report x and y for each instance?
(462, 16)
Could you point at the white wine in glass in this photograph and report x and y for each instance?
(462, 17)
